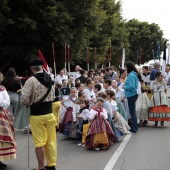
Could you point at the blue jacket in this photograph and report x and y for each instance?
(131, 83)
(152, 75)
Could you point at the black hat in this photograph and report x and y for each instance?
(36, 62)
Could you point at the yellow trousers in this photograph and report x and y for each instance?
(56, 111)
(44, 135)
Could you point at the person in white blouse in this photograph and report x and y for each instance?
(61, 77)
(76, 73)
(167, 74)
(6, 120)
(107, 85)
(90, 95)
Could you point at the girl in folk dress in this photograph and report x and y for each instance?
(76, 110)
(7, 140)
(100, 134)
(121, 101)
(120, 123)
(159, 110)
(83, 120)
(108, 109)
(66, 112)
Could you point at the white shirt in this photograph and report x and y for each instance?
(167, 76)
(4, 98)
(113, 105)
(59, 79)
(67, 103)
(119, 93)
(76, 75)
(146, 78)
(85, 114)
(76, 109)
(109, 88)
(90, 95)
(94, 112)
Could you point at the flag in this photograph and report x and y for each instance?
(168, 54)
(123, 59)
(164, 60)
(46, 68)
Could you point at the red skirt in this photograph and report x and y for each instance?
(159, 113)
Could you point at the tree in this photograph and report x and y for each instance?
(143, 37)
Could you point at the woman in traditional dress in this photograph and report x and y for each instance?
(100, 134)
(159, 110)
(142, 106)
(7, 141)
(66, 112)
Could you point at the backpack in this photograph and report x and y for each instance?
(138, 88)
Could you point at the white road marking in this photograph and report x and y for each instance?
(117, 153)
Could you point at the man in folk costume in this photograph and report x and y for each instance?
(39, 93)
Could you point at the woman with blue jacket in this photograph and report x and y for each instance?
(130, 90)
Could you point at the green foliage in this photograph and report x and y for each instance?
(143, 37)
(26, 26)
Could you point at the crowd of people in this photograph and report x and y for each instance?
(95, 108)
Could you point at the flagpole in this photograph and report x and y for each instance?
(104, 58)
(65, 56)
(87, 58)
(69, 60)
(110, 56)
(54, 61)
(123, 58)
(95, 57)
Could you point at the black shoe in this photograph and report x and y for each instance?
(145, 122)
(2, 165)
(35, 169)
(50, 167)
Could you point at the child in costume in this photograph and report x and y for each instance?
(100, 135)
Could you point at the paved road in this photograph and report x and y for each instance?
(149, 149)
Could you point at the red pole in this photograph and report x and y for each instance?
(95, 54)
(110, 53)
(140, 56)
(54, 60)
(68, 54)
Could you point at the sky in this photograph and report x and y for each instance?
(151, 11)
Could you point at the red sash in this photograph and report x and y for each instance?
(98, 111)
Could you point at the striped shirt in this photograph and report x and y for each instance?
(33, 91)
